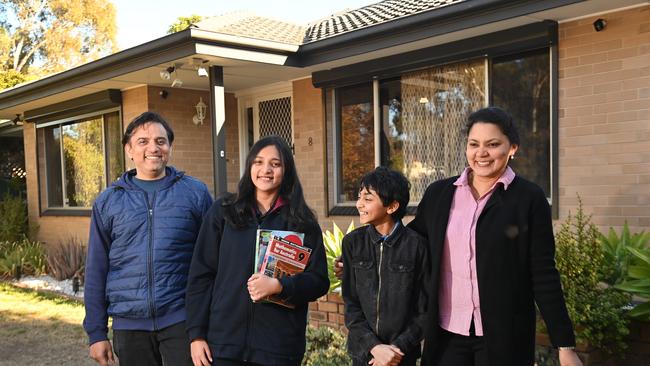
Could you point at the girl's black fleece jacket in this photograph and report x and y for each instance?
(219, 307)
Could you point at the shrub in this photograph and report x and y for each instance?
(333, 241)
(638, 283)
(13, 218)
(11, 261)
(66, 259)
(23, 257)
(325, 347)
(618, 257)
(596, 309)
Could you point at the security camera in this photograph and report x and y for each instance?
(600, 24)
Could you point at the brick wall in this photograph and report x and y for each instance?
(327, 311)
(308, 116)
(192, 148)
(604, 118)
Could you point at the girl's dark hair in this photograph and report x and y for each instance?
(240, 207)
(497, 116)
(390, 186)
(141, 120)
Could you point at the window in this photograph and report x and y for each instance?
(77, 157)
(520, 85)
(357, 137)
(419, 121)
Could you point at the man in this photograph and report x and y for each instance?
(142, 234)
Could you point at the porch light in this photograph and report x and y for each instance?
(201, 108)
(202, 72)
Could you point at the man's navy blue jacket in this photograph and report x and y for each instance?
(139, 253)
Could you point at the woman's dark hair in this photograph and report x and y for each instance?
(240, 207)
(497, 116)
(390, 186)
(141, 120)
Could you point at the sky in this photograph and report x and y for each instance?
(142, 21)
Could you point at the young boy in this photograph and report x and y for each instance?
(386, 267)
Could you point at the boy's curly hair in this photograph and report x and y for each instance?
(390, 186)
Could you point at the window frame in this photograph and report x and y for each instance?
(44, 209)
(336, 208)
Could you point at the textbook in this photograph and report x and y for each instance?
(264, 236)
(283, 259)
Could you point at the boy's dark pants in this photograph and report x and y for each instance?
(169, 346)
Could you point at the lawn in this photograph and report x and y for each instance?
(40, 329)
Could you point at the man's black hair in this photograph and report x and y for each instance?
(141, 120)
(390, 186)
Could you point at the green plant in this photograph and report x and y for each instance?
(13, 218)
(638, 282)
(22, 257)
(66, 259)
(597, 311)
(333, 241)
(11, 262)
(34, 258)
(325, 347)
(618, 257)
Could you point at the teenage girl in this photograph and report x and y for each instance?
(224, 322)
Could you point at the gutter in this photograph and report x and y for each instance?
(152, 53)
(156, 52)
(452, 18)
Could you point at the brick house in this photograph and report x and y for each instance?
(389, 83)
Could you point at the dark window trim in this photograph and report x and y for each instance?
(326, 191)
(105, 99)
(71, 211)
(83, 212)
(524, 38)
(555, 151)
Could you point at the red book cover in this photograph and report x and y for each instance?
(283, 259)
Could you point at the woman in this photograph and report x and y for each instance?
(492, 249)
(226, 324)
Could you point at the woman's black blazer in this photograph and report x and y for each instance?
(515, 264)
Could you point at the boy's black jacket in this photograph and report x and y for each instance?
(219, 307)
(401, 262)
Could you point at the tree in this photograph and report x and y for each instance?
(183, 23)
(54, 34)
(9, 78)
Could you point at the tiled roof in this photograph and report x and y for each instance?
(370, 15)
(245, 24)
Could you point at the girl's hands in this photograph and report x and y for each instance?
(200, 351)
(261, 286)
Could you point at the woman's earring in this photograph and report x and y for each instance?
(512, 157)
